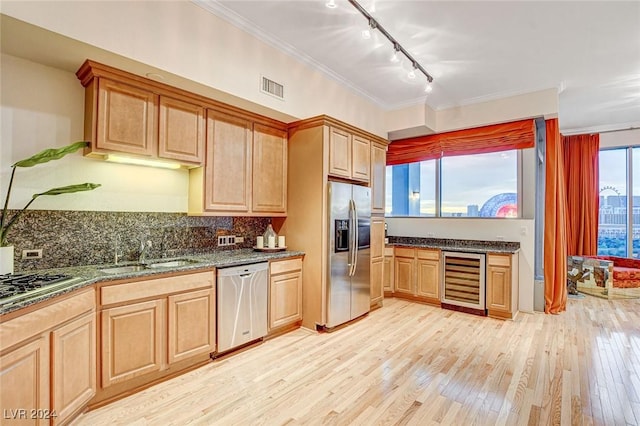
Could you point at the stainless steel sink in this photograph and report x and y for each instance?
(172, 263)
(123, 269)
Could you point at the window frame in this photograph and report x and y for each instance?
(438, 191)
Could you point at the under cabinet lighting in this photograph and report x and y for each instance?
(114, 158)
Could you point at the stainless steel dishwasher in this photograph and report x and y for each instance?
(241, 305)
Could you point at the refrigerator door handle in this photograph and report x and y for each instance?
(351, 235)
(355, 238)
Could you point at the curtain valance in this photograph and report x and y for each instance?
(479, 140)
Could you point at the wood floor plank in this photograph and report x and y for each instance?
(414, 364)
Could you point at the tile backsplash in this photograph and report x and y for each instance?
(72, 238)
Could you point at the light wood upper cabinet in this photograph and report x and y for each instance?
(378, 175)
(73, 363)
(245, 172)
(360, 158)
(339, 153)
(228, 164)
(285, 293)
(502, 285)
(349, 155)
(132, 341)
(269, 190)
(25, 382)
(192, 324)
(131, 115)
(181, 130)
(126, 118)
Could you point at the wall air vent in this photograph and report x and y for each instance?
(272, 88)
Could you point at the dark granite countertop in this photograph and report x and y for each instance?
(469, 246)
(91, 274)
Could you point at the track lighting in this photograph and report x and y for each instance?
(397, 47)
(394, 57)
(428, 88)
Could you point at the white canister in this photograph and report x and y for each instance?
(259, 242)
(281, 242)
(272, 242)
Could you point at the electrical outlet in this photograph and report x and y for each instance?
(226, 240)
(239, 240)
(500, 237)
(32, 254)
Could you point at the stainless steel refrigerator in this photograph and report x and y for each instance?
(349, 288)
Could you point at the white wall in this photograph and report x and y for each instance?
(181, 38)
(42, 108)
(518, 230)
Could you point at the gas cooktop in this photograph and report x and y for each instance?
(21, 287)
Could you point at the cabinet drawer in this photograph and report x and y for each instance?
(155, 287)
(282, 266)
(428, 254)
(499, 259)
(405, 252)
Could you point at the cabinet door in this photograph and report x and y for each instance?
(126, 119)
(378, 173)
(428, 282)
(377, 237)
(360, 158)
(388, 274)
(339, 153)
(269, 192)
(192, 324)
(285, 299)
(499, 288)
(132, 341)
(377, 280)
(404, 275)
(24, 381)
(181, 134)
(228, 164)
(73, 362)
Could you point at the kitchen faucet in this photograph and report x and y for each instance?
(144, 248)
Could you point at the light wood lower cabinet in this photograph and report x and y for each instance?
(404, 271)
(376, 269)
(192, 324)
(285, 293)
(153, 327)
(48, 361)
(417, 274)
(25, 383)
(388, 271)
(132, 341)
(502, 285)
(73, 366)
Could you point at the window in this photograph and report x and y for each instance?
(479, 185)
(619, 216)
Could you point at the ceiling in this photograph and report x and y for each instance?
(475, 50)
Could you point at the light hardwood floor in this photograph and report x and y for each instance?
(409, 363)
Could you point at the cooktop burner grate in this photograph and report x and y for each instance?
(14, 288)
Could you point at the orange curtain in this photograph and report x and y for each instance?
(583, 198)
(555, 224)
(479, 140)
